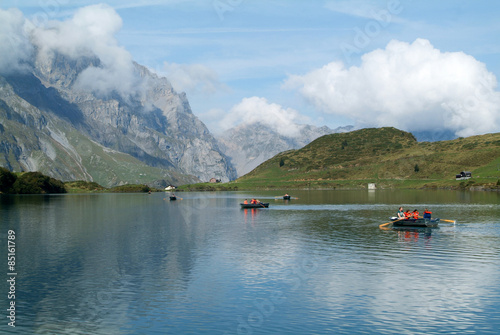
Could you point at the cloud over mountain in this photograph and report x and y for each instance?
(414, 87)
(15, 47)
(90, 32)
(285, 121)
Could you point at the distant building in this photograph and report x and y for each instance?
(213, 180)
(463, 175)
(372, 186)
(169, 188)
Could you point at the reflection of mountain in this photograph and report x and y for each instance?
(85, 259)
(251, 144)
(49, 123)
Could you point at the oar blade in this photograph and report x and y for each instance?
(384, 224)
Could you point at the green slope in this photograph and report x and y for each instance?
(386, 156)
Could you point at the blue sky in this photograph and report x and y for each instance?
(231, 56)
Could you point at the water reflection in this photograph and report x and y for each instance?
(128, 264)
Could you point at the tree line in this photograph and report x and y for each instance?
(29, 183)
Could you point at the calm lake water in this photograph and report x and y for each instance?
(141, 264)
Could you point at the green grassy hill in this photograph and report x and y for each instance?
(386, 156)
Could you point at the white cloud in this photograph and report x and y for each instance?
(15, 48)
(413, 87)
(91, 32)
(255, 110)
(193, 78)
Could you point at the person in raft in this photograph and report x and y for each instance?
(245, 202)
(415, 214)
(254, 201)
(427, 214)
(407, 214)
(401, 214)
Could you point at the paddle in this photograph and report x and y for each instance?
(388, 223)
(451, 221)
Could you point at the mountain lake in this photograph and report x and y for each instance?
(317, 264)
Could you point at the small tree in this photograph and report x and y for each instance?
(282, 162)
(416, 168)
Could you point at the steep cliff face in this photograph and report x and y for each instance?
(151, 123)
(32, 139)
(252, 144)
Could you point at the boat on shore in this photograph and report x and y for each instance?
(415, 223)
(259, 205)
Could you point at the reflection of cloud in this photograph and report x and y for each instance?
(420, 282)
(414, 87)
(258, 110)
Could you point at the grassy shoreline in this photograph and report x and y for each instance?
(479, 184)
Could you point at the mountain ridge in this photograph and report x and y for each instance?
(154, 125)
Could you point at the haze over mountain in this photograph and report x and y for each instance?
(256, 130)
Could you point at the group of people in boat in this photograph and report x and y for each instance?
(406, 215)
(253, 201)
